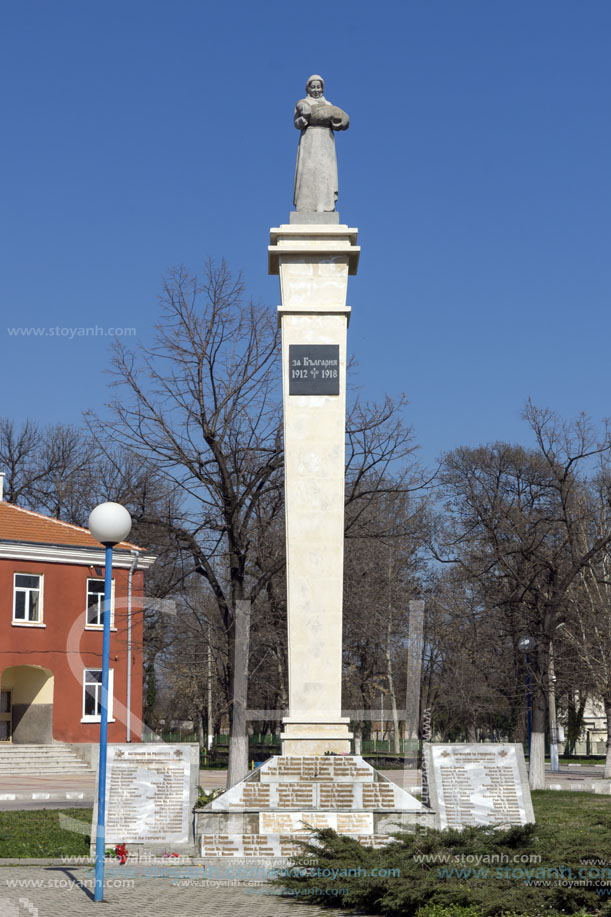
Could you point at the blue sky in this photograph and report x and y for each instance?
(139, 135)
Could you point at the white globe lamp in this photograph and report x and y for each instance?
(109, 523)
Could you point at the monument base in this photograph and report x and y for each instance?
(304, 738)
(310, 216)
(282, 803)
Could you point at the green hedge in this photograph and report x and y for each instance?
(571, 827)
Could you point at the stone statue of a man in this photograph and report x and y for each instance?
(316, 172)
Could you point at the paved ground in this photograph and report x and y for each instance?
(31, 792)
(65, 891)
(65, 790)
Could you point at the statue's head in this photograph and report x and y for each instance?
(315, 86)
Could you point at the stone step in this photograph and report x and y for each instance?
(269, 845)
(50, 752)
(48, 756)
(15, 770)
(9, 748)
(40, 760)
(302, 796)
(315, 769)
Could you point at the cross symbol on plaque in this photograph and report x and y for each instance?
(503, 754)
(314, 372)
(445, 754)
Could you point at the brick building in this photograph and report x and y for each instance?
(51, 623)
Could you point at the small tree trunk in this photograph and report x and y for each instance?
(284, 699)
(391, 688)
(536, 774)
(607, 772)
(201, 734)
(357, 738)
(209, 720)
(395, 715)
(238, 737)
(574, 720)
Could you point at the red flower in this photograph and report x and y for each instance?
(121, 853)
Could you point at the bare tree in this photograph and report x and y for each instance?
(44, 466)
(202, 408)
(474, 681)
(516, 528)
(587, 631)
(386, 532)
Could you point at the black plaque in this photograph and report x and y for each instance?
(313, 369)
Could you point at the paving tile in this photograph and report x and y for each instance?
(65, 891)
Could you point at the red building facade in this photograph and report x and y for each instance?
(51, 622)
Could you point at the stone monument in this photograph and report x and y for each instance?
(478, 784)
(313, 260)
(315, 782)
(151, 789)
(282, 802)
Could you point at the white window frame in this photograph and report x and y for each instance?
(24, 622)
(100, 626)
(96, 718)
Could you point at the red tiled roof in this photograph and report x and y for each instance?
(18, 524)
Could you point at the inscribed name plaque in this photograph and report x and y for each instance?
(479, 784)
(303, 823)
(149, 793)
(314, 369)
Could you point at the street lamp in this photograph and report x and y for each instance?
(526, 645)
(551, 694)
(109, 523)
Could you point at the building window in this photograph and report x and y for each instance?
(95, 603)
(27, 601)
(92, 695)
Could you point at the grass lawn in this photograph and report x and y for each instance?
(37, 833)
(563, 814)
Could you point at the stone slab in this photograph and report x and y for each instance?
(317, 768)
(297, 824)
(288, 797)
(314, 369)
(299, 783)
(304, 216)
(151, 789)
(269, 845)
(478, 784)
(602, 786)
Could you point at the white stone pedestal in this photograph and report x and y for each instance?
(286, 799)
(313, 262)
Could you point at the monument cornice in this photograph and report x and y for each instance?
(318, 241)
(314, 310)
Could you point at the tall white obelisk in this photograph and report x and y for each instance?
(313, 254)
(314, 260)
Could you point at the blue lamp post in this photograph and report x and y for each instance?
(109, 523)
